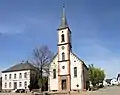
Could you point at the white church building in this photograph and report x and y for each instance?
(67, 71)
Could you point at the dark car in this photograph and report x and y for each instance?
(20, 91)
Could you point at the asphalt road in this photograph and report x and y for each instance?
(115, 90)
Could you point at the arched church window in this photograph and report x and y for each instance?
(54, 73)
(63, 56)
(75, 71)
(62, 38)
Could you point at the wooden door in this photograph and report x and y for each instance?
(64, 85)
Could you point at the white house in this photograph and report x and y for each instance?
(17, 77)
(67, 71)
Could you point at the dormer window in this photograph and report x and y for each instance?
(62, 38)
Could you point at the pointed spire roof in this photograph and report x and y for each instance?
(63, 20)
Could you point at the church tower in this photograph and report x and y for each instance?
(64, 49)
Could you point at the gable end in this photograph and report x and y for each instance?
(80, 60)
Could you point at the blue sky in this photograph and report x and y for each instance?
(26, 24)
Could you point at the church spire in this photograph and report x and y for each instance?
(63, 20)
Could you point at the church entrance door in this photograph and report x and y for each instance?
(64, 86)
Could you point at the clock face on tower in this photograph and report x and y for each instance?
(63, 47)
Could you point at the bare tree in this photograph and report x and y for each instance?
(41, 59)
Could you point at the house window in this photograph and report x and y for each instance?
(63, 56)
(25, 75)
(20, 84)
(5, 77)
(5, 85)
(62, 38)
(20, 75)
(14, 76)
(25, 83)
(54, 73)
(10, 76)
(9, 84)
(75, 71)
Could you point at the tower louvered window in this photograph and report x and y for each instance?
(62, 38)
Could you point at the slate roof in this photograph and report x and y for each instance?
(20, 67)
(63, 20)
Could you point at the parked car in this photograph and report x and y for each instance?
(14, 90)
(106, 83)
(19, 90)
(114, 82)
